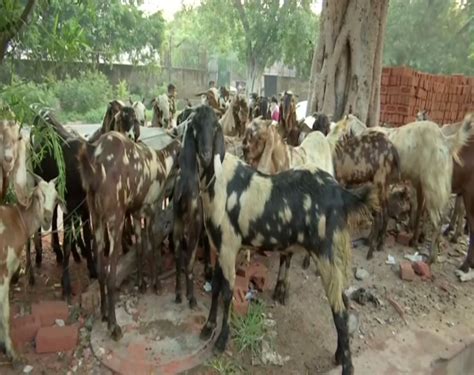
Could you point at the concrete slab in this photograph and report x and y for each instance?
(160, 336)
(417, 351)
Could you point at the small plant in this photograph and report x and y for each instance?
(249, 330)
(224, 366)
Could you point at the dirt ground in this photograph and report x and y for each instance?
(305, 330)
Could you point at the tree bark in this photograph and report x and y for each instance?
(254, 72)
(11, 29)
(347, 63)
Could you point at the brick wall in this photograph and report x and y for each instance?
(405, 91)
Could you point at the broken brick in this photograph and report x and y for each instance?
(49, 311)
(406, 271)
(240, 303)
(423, 269)
(24, 329)
(259, 275)
(403, 238)
(241, 283)
(56, 339)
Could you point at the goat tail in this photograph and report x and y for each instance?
(461, 137)
(87, 169)
(360, 203)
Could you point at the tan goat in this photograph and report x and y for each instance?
(17, 224)
(12, 160)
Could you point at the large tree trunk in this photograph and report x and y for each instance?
(347, 63)
(254, 73)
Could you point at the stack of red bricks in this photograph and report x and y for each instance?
(404, 92)
(42, 327)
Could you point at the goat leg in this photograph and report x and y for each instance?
(207, 255)
(29, 269)
(55, 240)
(68, 239)
(87, 251)
(178, 250)
(193, 241)
(211, 323)
(419, 211)
(39, 248)
(139, 244)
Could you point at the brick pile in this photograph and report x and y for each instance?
(405, 91)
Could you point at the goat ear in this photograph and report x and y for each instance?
(37, 178)
(54, 180)
(219, 145)
(201, 93)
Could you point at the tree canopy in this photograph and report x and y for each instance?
(85, 30)
(435, 36)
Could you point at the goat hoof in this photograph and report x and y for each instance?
(464, 267)
(38, 261)
(116, 333)
(192, 303)
(18, 361)
(142, 287)
(220, 344)
(206, 331)
(178, 298)
(59, 256)
(306, 262)
(31, 280)
(338, 357)
(370, 255)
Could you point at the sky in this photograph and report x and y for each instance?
(170, 7)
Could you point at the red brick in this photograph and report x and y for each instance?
(49, 311)
(241, 283)
(403, 238)
(423, 269)
(259, 275)
(406, 271)
(241, 305)
(24, 329)
(56, 339)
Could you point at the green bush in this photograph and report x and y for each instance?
(31, 93)
(87, 93)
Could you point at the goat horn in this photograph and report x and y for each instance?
(201, 93)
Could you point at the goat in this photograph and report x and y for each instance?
(118, 117)
(265, 150)
(426, 159)
(262, 108)
(235, 117)
(252, 104)
(300, 208)
(369, 157)
(463, 184)
(161, 112)
(121, 177)
(75, 203)
(17, 225)
(140, 111)
(188, 225)
(12, 160)
(288, 122)
(211, 98)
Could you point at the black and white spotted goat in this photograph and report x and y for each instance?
(298, 208)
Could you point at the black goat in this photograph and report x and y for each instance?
(75, 201)
(299, 208)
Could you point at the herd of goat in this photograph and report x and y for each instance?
(235, 179)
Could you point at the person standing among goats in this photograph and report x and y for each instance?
(275, 109)
(172, 103)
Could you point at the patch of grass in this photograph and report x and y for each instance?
(249, 330)
(224, 366)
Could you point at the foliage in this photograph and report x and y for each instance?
(224, 366)
(434, 36)
(249, 330)
(80, 95)
(121, 90)
(269, 33)
(89, 30)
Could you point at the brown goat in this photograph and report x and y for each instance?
(121, 177)
(17, 224)
(118, 117)
(235, 117)
(463, 184)
(371, 158)
(288, 121)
